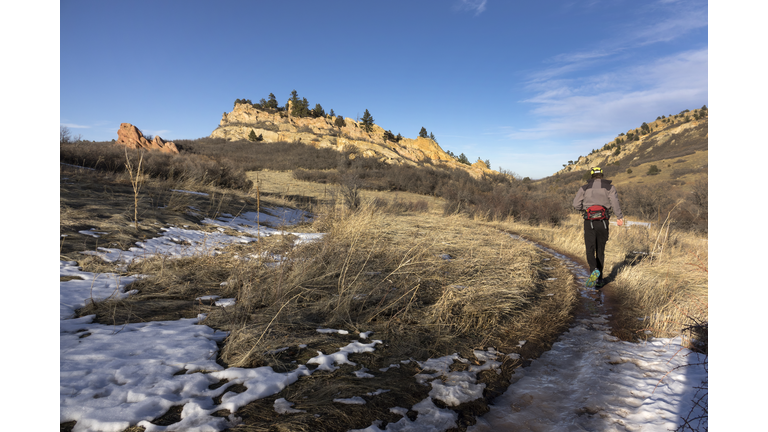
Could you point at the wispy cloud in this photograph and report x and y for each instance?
(75, 126)
(682, 18)
(476, 6)
(585, 92)
(589, 105)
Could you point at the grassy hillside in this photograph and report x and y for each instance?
(677, 145)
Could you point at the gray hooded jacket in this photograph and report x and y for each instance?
(598, 192)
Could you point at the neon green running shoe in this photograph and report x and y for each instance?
(593, 278)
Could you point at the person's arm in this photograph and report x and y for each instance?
(578, 201)
(613, 196)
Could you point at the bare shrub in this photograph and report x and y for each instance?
(646, 202)
(679, 172)
(182, 167)
(350, 191)
(278, 156)
(700, 194)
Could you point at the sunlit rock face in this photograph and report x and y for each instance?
(323, 132)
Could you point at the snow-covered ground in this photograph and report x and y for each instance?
(115, 376)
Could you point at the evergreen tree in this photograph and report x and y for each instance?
(331, 113)
(272, 102)
(252, 136)
(318, 111)
(653, 170)
(367, 121)
(299, 107)
(432, 137)
(423, 133)
(339, 122)
(463, 159)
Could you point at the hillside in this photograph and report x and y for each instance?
(677, 145)
(322, 132)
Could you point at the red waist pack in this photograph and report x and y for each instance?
(596, 212)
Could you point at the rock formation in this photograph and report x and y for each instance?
(131, 137)
(322, 132)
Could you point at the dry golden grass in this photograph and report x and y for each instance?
(384, 273)
(282, 184)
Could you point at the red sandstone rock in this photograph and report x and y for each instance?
(131, 137)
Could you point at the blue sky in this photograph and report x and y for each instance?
(527, 85)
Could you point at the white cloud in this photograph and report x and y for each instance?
(684, 17)
(588, 105)
(74, 126)
(478, 6)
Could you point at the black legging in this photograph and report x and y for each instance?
(595, 238)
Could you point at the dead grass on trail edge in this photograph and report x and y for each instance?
(659, 275)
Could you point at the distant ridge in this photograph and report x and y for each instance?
(677, 145)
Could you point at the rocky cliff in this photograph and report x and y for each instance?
(323, 132)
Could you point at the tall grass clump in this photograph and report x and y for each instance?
(366, 274)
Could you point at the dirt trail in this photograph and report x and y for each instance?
(591, 380)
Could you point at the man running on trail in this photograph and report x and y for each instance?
(595, 199)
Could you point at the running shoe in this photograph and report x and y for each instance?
(593, 278)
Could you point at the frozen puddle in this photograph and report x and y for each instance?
(591, 380)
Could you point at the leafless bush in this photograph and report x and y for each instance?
(686, 212)
(646, 202)
(182, 167)
(679, 172)
(350, 191)
(278, 156)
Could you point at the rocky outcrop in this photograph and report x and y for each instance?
(131, 137)
(323, 132)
